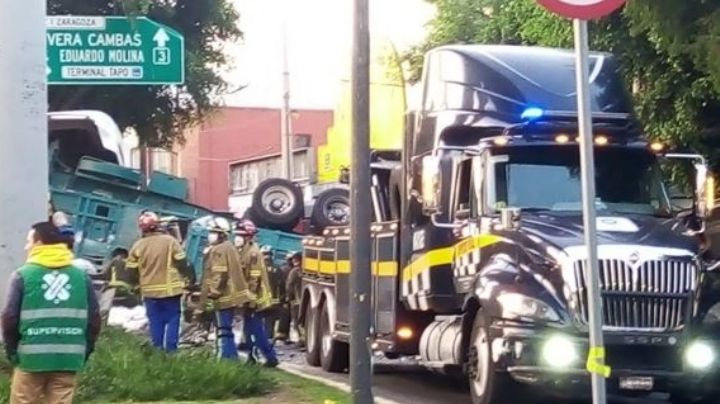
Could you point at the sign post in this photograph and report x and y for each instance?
(85, 50)
(581, 11)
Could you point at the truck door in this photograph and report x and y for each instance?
(385, 279)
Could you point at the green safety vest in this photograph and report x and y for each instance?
(53, 319)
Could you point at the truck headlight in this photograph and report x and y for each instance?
(699, 355)
(559, 352)
(516, 305)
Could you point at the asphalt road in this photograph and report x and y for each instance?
(407, 383)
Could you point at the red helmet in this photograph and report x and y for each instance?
(246, 228)
(148, 221)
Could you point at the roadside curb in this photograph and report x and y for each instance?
(296, 370)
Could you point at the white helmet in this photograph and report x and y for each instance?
(219, 225)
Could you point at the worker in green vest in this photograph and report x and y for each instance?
(50, 322)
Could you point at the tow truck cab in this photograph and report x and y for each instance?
(479, 261)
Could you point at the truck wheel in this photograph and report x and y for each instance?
(334, 355)
(277, 204)
(312, 337)
(487, 385)
(331, 208)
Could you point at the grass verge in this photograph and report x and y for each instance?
(125, 368)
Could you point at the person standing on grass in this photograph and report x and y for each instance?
(50, 322)
(163, 275)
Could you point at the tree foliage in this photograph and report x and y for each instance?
(159, 114)
(669, 52)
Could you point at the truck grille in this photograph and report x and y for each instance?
(655, 295)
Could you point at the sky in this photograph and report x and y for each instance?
(319, 36)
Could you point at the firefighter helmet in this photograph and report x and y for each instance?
(148, 221)
(246, 228)
(219, 225)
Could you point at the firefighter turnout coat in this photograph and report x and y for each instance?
(253, 264)
(223, 281)
(159, 259)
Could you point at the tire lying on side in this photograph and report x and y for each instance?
(277, 204)
(331, 208)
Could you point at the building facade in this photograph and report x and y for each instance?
(238, 147)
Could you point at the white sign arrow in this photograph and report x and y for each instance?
(161, 38)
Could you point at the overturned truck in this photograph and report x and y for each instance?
(478, 259)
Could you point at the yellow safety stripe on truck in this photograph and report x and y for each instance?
(385, 268)
(475, 242)
(445, 255)
(432, 258)
(342, 267)
(311, 264)
(327, 267)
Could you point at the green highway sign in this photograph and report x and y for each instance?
(87, 50)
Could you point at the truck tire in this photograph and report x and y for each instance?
(312, 337)
(487, 385)
(334, 355)
(331, 208)
(277, 204)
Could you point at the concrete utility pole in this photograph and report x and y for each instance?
(360, 211)
(23, 128)
(285, 116)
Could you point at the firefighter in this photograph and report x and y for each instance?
(284, 308)
(259, 286)
(163, 276)
(224, 288)
(293, 289)
(121, 279)
(270, 314)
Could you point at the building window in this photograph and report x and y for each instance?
(158, 160)
(163, 161)
(247, 175)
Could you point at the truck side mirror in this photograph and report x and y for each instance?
(705, 189)
(431, 185)
(704, 184)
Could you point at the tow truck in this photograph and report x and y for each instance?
(478, 259)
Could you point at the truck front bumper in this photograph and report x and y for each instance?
(639, 362)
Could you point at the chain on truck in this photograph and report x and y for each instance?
(478, 261)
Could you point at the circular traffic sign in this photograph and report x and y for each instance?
(582, 9)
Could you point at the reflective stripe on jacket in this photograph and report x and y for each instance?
(223, 279)
(154, 257)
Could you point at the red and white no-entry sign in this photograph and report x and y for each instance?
(582, 9)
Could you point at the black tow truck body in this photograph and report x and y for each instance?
(478, 258)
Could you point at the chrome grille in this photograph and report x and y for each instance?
(653, 295)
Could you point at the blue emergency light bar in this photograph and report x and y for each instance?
(532, 113)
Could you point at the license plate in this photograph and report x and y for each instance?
(636, 383)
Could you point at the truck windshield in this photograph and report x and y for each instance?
(548, 178)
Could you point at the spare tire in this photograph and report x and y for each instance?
(277, 204)
(331, 208)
